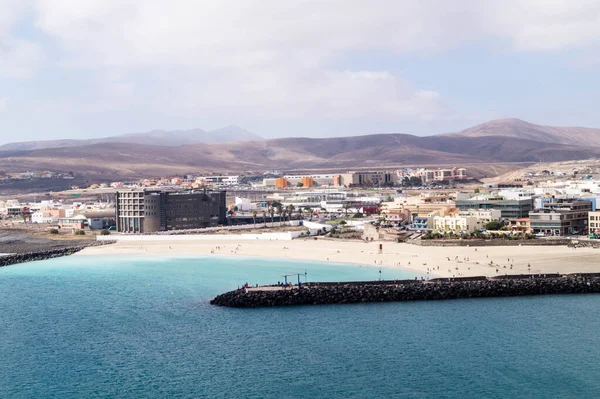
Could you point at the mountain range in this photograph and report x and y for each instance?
(507, 141)
(154, 137)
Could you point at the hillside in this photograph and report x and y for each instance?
(154, 137)
(124, 160)
(578, 136)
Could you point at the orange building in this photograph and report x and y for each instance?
(281, 182)
(308, 182)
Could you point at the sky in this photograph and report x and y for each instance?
(316, 68)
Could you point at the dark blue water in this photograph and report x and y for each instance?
(130, 327)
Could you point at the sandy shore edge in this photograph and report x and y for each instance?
(423, 261)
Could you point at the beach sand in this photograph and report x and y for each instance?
(424, 261)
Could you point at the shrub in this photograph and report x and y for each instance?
(493, 225)
(105, 232)
(79, 232)
(53, 231)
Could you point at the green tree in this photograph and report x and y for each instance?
(346, 206)
(254, 218)
(299, 184)
(412, 181)
(493, 225)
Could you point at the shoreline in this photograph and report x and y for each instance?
(427, 262)
(149, 254)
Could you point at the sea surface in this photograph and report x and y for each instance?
(142, 327)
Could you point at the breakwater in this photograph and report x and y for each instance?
(411, 290)
(13, 259)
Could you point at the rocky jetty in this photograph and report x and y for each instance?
(47, 254)
(411, 290)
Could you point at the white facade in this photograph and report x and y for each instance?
(484, 216)
(219, 180)
(244, 204)
(43, 217)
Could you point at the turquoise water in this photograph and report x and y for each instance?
(80, 327)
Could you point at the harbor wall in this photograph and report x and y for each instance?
(13, 259)
(497, 242)
(352, 292)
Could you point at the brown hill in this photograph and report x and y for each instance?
(155, 137)
(123, 160)
(579, 136)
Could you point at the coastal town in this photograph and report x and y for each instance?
(327, 212)
(402, 204)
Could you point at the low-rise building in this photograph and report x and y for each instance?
(521, 225)
(483, 216)
(99, 220)
(218, 181)
(454, 224)
(509, 209)
(43, 217)
(594, 223)
(77, 222)
(561, 217)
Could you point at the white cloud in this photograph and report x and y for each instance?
(274, 58)
(546, 24)
(19, 58)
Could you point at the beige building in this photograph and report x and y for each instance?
(454, 224)
(594, 222)
(483, 216)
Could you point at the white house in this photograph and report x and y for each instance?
(43, 217)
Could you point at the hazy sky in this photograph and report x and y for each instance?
(92, 68)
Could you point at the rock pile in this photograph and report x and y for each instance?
(47, 254)
(315, 294)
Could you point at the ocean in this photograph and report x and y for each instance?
(142, 327)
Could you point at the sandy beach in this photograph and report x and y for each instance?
(425, 261)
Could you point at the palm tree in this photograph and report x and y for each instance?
(264, 213)
(272, 212)
(282, 216)
(290, 208)
(254, 218)
(308, 212)
(278, 208)
(346, 206)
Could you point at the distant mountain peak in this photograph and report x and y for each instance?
(159, 137)
(513, 127)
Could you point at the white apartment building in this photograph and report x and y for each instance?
(43, 217)
(219, 180)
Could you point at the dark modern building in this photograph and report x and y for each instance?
(146, 211)
(509, 209)
(561, 217)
